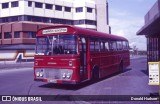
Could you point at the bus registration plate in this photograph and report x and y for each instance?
(52, 81)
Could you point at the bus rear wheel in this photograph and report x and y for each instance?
(121, 67)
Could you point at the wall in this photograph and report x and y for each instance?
(14, 56)
(102, 16)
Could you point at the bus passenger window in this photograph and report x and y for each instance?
(106, 46)
(113, 45)
(119, 45)
(97, 48)
(127, 45)
(102, 46)
(124, 44)
(91, 45)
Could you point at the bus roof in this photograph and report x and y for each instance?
(80, 31)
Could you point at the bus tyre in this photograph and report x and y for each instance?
(95, 74)
(121, 67)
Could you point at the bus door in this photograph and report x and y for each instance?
(83, 58)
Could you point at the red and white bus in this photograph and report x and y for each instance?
(70, 55)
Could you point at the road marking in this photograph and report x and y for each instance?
(14, 70)
(107, 88)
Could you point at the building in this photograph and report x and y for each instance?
(152, 32)
(20, 19)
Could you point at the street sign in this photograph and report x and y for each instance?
(154, 73)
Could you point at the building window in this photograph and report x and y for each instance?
(78, 22)
(49, 6)
(89, 10)
(17, 34)
(47, 20)
(37, 19)
(69, 22)
(5, 19)
(14, 4)
(5, 5)
(29, 18)
(90, 22)
(38, 5)
(14, 18)
(7, 35)
(58, 21)
(31, 34)
(21, 18)
(29, 3)
(67, 9)
(79, 9)
(57, 7)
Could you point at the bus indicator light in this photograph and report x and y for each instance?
(70, 63)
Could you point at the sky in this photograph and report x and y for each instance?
(126, 17)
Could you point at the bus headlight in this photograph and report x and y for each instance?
(41, 74)
(37, 74)
(68, 75)
(64, 75)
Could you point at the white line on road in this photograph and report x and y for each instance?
(2, 71)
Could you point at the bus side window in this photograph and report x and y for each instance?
(119, 45)
(106, 46)
(97, 46)
(102, 46)
(124, 45)
(113, 45)
(127, 45)
(91, 45)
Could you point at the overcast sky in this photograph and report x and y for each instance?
(126, 17)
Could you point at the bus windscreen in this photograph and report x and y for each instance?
(57, 44)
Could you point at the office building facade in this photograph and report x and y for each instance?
(20, 19)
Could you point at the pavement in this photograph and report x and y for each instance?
(8, 66)
(137, 56)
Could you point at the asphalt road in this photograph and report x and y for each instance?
(134, 81)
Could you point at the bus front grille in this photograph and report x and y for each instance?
(53, 73)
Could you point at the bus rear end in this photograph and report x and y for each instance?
(56, 59)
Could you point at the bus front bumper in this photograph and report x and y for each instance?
(58, 81)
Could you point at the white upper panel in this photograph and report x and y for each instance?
(96, 5)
